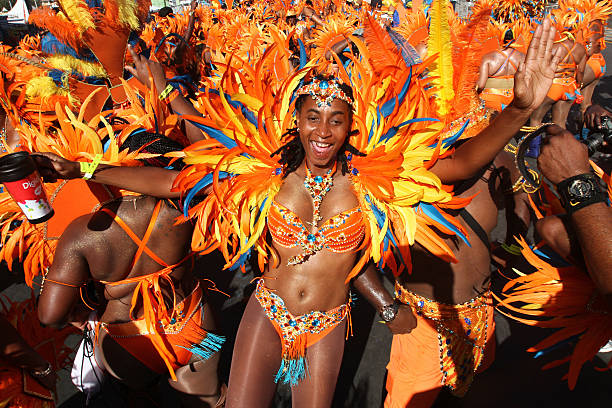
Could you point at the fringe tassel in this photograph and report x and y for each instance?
(293, 367)
(209, 346)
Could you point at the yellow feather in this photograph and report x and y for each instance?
(127, 14)
(78, 12)
(69, 63)
(440, 43)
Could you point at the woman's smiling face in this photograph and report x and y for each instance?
(323, 130)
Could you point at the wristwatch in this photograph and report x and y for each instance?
(42, 373)
(580, 191)
(388, 312)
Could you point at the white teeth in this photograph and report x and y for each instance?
(322, 145)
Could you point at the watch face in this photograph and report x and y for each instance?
(388, 314)
(581, 189)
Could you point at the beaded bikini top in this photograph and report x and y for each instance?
(341, 233)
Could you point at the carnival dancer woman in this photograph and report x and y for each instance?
(324, 204)
(155, 320)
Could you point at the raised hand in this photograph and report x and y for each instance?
(144, 69)
(534, 76)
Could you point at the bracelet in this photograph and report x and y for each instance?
(43, 373)
(89, 168)
(167, 90)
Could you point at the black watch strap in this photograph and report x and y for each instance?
(573, 203)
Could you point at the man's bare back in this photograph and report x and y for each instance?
(455, 283)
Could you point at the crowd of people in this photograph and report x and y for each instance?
(336, 149)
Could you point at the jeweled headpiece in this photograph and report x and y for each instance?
(324, 91)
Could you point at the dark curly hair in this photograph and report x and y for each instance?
(292, 153)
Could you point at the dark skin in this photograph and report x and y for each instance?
(319, 282)
(593, 116)
(560, 109)
(94, 247)
(455, 283)
(561, 157)
(14, 349)
(593, 46)
(493, 61)
(531, 85)
(146, 70)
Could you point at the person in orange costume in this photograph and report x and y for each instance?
(156, 321)
(454, 339)
(596, 64)
(565, 89)
(496, 79)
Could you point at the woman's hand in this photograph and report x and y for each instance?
(52, 167)
(404, 321)
(534, 77)
(144, 69)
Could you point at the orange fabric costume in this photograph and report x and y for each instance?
(181, 334)
(449, 345)
(162, 337)
(343, 232)
(498, 98)
(597, 64)
(564, 89)
(297, 333)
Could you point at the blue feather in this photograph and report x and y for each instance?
(433, 213)
(303, 54)
(215, 134)
(391, 132)
(263, 203)
(200, 185)
(241, 261)
(389, 237)
(246, 112)
(404, 90)
(389, 106)
(451, 140)
(409, 54)
(558, 345)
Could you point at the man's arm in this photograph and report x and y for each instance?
(531, 84)
(368, 284)
(562, 157)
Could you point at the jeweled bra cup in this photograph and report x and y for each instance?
(341, 233)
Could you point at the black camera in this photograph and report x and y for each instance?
(596, 139)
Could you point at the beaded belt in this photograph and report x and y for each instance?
(462, 334)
